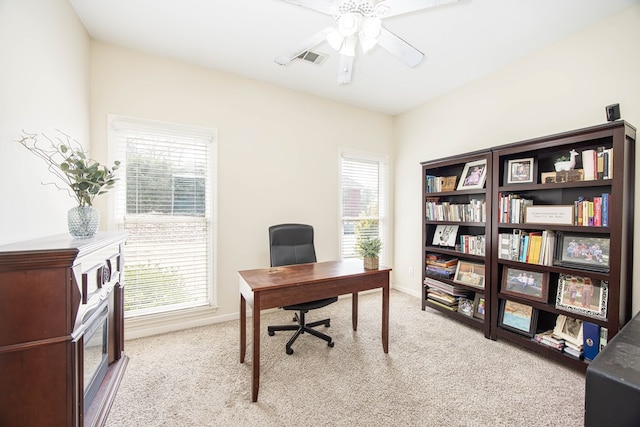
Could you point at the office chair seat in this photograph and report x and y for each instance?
(293, 244)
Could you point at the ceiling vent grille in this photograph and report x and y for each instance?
(313, 57)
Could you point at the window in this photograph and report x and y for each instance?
(164, 200)
(363, 189)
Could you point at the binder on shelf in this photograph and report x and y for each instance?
(591, 337)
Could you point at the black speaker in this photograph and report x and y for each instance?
(613, 112)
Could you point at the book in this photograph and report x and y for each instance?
(589, 164)
(445, 306)
(600, 163)
(591, 338)
(603, 338)
(605, 209)
(577, 354)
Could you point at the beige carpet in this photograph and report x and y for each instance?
(438, 372)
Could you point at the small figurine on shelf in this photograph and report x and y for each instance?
(565, 163)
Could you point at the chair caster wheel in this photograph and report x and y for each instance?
(326, 325)
(330, 344)
(289, 351)
(271, 333)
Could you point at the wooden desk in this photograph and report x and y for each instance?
(279, 286)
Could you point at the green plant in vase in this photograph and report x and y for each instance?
(369, 249)
(83, 177)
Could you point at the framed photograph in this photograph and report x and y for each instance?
(583, 295)
(470, 274)
(479, 306)
(582, 251)
(520, 318)
(465, 306)
(448, 183)
(473, 175)
(520, 170)
(569, 329)
(533, 285)
(445, 235)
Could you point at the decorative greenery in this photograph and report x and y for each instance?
(67, 160)
(369, 247)
(563, 159)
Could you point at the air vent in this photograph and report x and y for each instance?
(314, 57)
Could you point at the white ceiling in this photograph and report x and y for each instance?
(461, 41)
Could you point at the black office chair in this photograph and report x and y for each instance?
(293, 244)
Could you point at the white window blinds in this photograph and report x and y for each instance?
(363, 189)
(164, 202)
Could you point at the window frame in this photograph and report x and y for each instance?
(174, 319)
(383, 198)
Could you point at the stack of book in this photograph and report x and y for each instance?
(573, 350)
(443, 294)
(441, 266)
(548, 339)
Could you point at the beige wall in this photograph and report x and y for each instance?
(563, 87)
(277, 149)
(44, 85)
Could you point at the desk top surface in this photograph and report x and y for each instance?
(275, 277)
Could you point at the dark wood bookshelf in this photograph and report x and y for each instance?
(455, 166)
(619, 139)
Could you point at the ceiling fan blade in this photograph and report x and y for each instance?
(399, 48)
(344, 70)
(397, 7)
(323, 6)
(304, 46)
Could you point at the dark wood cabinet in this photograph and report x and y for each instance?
(61, 330)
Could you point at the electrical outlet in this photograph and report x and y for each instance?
(410, 271)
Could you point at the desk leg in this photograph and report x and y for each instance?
(354, 311)
(243, 328)
(255, 382)
(385, 318)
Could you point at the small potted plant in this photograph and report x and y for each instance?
(369, 249)
(85, 178)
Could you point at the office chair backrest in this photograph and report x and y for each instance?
(291, 244)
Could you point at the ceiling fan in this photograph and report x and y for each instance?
(360, 22)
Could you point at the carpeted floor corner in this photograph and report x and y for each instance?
(438, 372)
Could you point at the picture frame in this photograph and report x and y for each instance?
(583, 251)
(583, 295)
(473, 175)
(470, 274)
(518, 317)
(448, 183)
(479, 306)
(466, 307)
(445, 235)
(520, 171)
(531, 285)
(569, 329)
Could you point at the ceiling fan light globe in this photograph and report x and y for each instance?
(349, 24)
